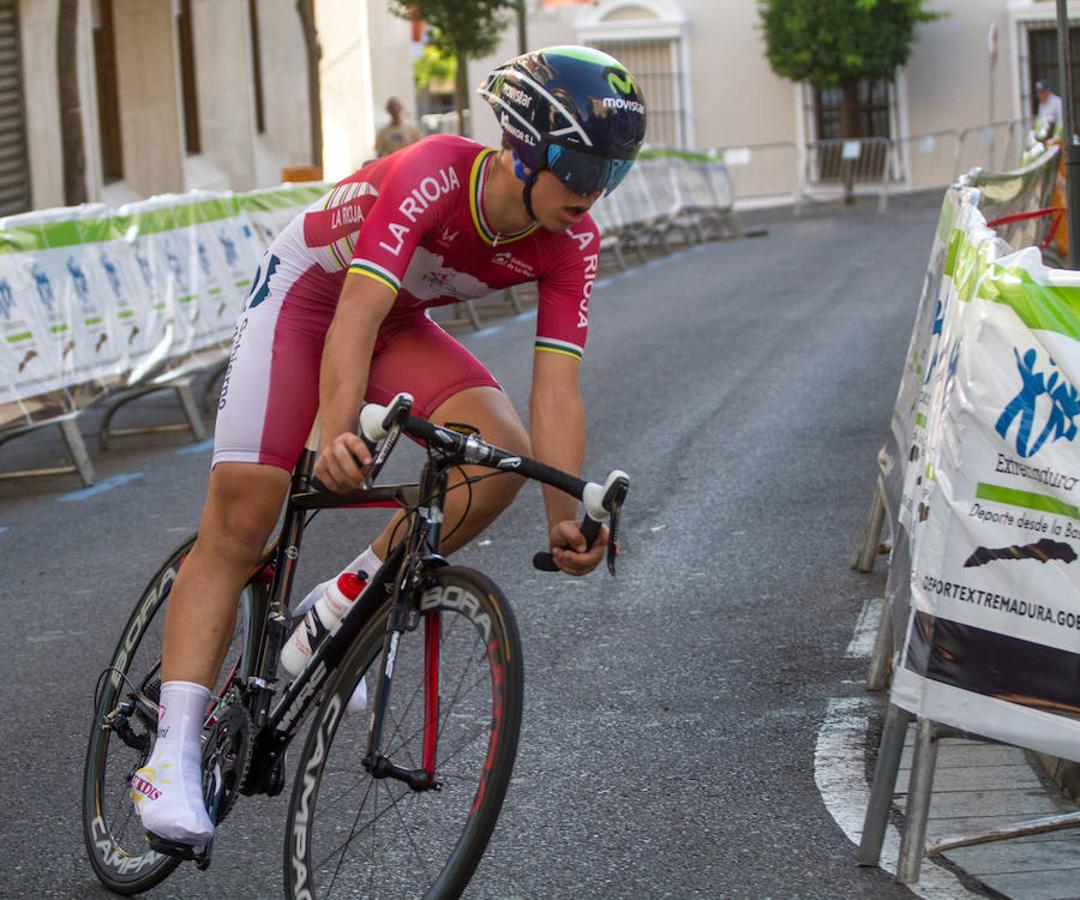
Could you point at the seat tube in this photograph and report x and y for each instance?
(432, 635)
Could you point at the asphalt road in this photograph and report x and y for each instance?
(667, 748)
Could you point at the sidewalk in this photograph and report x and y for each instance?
(978, 787)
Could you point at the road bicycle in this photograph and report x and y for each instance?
(399, 802)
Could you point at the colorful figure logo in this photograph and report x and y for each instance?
(204, 259)
(44, 288)
(174, 264)
(79, 280)
(7, 301)
(228, 248)
(114, 278)
(144, 268)
(1064, 406)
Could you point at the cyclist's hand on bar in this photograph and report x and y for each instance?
(568, 548)
(341, 463)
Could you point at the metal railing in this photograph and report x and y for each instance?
(787, 172)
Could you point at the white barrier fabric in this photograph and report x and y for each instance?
(993, 639)
(901, 458)
(89, 294)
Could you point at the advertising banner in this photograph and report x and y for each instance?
(992, 643)
(90, 295)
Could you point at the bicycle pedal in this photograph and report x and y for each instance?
(200, 856)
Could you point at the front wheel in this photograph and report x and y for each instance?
(350, 834)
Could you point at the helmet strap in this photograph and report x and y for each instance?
(529, 180)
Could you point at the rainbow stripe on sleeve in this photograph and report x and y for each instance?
(376, 272)
(553, 345)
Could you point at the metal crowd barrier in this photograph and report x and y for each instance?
(670, 197)
(782, 172)
(109, 305)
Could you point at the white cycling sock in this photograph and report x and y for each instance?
(369, 563)
(168, 790)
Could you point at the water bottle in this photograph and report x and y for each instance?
(321, 620)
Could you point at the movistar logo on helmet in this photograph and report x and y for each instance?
(520, 133)
(623, 103)
(622, 82)
(516, 95)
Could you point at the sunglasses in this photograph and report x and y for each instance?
(584, 171)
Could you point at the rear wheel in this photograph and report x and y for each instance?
(122, 735)
(350, 834)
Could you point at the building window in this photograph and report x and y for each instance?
(186, 44)
(862, 110)
(14, 166)
(655, 64)
(256, 67)
(108, 95)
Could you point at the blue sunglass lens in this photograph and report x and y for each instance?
(584, 173)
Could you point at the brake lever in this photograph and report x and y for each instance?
(613, 537)
(617, 485)
(389, 426)
(381, 453)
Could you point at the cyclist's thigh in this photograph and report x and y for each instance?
(270, 392)
(243, 503)
(415, 355)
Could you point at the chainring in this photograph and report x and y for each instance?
(226, 757)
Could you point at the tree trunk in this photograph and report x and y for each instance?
(306, 10)
(72, 149)
(849, 125)
(522, 33)
(461, 89)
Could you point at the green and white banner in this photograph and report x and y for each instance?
(114, 296)
(992, 643)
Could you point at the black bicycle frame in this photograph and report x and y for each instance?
(277, 724)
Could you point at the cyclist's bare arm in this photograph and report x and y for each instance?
(343, 376)
(557, 423)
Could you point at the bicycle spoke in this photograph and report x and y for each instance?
(352, 833)
(373, 784)
(457, 694)
(408, 834)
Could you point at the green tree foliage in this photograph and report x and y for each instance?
(433, 65)
(459, 29)
(835, 43)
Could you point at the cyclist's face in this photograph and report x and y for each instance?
(555, 206)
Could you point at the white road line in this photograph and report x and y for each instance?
(839, 770)
(862, 642)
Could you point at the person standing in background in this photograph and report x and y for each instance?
(1050, 118)
(397, 133)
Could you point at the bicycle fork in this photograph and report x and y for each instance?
(403, 618)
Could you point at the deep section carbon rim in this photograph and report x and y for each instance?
(350, 834)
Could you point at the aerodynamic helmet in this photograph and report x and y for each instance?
(574, 111)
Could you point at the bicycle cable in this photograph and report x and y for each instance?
(101, 679)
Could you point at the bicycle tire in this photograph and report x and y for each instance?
(115, 840)
(479, 724)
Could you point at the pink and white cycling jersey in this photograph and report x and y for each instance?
(414, 222)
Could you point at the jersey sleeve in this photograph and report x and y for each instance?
(562, 318)
(420, 188)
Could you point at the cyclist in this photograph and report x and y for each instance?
(337, 315)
